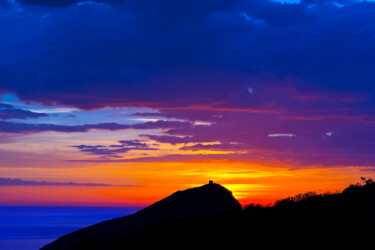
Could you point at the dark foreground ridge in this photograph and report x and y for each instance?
(307, 221)
(205, 201)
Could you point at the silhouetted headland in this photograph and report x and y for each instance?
(208, 200)
(208, 217)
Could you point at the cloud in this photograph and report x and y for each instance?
(219, 49)
(368, 169)
(5, 106)
(229, 147)
(114, 150)
(18, 128)
(171, 139)
(60, 3)
(148, 114)
(351, 145)
(20, 182)
(281, 135)
(9, 112)
(169, 158)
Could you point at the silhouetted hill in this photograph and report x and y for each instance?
(207, 200)
(307, 221)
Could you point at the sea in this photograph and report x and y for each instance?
(31, 227)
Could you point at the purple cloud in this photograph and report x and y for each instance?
(148, 114)
(114, 151)
(307, 138)
(168, 158)
(18, 128)
(171, 139)
(20, 182)
(9, 112)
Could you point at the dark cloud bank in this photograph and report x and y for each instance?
(157, 53)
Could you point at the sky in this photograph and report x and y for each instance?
(121, 103)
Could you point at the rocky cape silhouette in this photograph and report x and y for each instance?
(208, 200)
(209, 217)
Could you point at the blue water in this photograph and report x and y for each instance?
(29, 228)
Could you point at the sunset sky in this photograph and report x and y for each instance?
(123, 102)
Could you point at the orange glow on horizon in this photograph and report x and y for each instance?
(250, 183)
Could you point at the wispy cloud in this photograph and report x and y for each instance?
(114, 150)
(20, 182)
(14, 127)
(281, 135)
